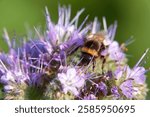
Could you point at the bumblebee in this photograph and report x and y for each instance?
(92, 48)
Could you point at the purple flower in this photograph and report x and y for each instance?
(7, 77)
(90, 97)
(32, 50)
(137, 73)
(8, 88)
(72, 80)
(132, 79)
(66, 35)
(114, 51)
(115, 93)
(127, 88)
(12, 73)
(118, 73)
(102, 87)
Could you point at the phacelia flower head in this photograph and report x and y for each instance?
(13, 77)
(66, 35)
(133, 85)
(70, 61)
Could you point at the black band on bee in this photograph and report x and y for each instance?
(92, 45)
(86, 59)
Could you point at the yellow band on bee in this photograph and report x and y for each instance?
(90, 51)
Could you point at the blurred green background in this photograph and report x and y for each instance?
(133, 18)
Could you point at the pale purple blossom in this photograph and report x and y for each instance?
(132, 78)
(103, 88)
(115, 92)
(137, 73)
(114, 51)
(118, 73)
(71, 81)
(8, 88)
(90, 97)
(127, 88)
(7, 77)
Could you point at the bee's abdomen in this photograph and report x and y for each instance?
(91, 47)
(86, 58)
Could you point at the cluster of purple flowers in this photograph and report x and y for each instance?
(48, 67)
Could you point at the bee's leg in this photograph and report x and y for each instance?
(103, 62)
(94, 62)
